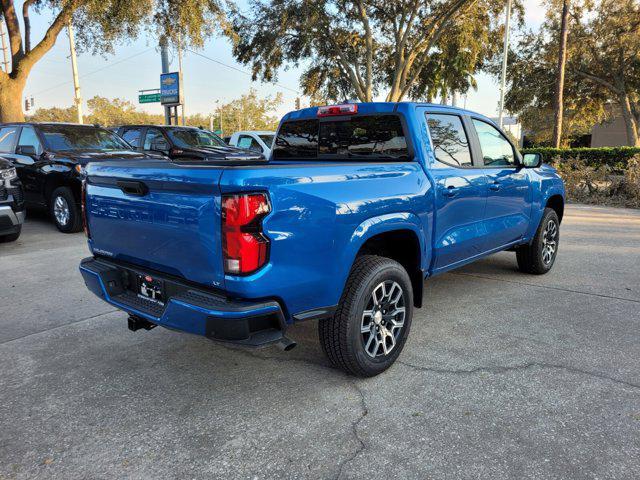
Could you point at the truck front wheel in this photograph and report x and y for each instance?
(538, 257)
(372, 322)
(64, 210)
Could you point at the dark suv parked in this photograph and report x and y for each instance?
(50, 160)
(182, 143)
(11, 203)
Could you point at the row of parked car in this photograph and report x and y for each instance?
(42, 164)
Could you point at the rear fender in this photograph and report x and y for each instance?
(384, 224)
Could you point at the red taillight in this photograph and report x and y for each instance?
(244, 246)
(83, 200)
(330, 110)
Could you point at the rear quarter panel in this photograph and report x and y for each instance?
(322, 213)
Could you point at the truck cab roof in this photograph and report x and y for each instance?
(383, 107)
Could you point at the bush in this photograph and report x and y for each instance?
(615, 158)
(586, 183)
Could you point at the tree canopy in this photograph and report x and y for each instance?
(362, 48)
(98, 25)
(602, 70)
(249, 112)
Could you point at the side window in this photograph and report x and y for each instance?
(8, 139)
(132, 136)
(153, 134)
(449, 140)
(29, 138)
(245, 141)
(496, 149)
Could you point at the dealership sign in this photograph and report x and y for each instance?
(171, 88)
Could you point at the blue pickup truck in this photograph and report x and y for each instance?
(358, 204)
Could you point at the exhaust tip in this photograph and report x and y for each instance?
(286, 344)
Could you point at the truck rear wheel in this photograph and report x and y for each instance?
(538, 257)
(372, 322)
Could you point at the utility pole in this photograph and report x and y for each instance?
(180, 70)
(562, 61)
(220, 116)
(164, 57)
(5, 50)
(74, 68)
(503, 80)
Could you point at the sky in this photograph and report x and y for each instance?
(136, 65)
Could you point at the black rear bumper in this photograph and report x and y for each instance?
(187, 307)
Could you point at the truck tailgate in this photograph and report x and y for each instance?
(158, 215)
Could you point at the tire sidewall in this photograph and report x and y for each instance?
(72, 225)
(393, 272)
(539, 243)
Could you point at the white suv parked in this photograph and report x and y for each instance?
(259, 141)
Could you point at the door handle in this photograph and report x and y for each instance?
(138, 189)
(495, 186)
(450, 191)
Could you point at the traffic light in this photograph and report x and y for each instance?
(297, 103)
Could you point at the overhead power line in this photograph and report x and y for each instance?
(238, 69)
(94, 71)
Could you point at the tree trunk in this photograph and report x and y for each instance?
(562, 61)
(629, 121)
(11, 99)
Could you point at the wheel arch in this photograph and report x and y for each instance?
(57, 181)
(396, 236)
(556, 202)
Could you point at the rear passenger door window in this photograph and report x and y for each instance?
(496, 149)
(132, 136)
(153, 135)
(449, 140)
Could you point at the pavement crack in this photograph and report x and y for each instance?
(522, 367)
(354, 428)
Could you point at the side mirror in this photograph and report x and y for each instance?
(26, 150)
(531, 160)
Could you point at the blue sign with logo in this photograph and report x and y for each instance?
(170, 88)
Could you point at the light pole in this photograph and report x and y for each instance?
(219, 116)
(74, 68)
(164, 58)
(503, 80)
(181, 77)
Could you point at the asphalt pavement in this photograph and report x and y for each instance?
(504, 376)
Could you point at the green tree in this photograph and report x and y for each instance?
(54, 114)
(249, 112)
(355, 48)
(602, 70)
(98, 25)
(110, 112)
(608, 56)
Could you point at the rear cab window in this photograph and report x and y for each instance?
(378, 137)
